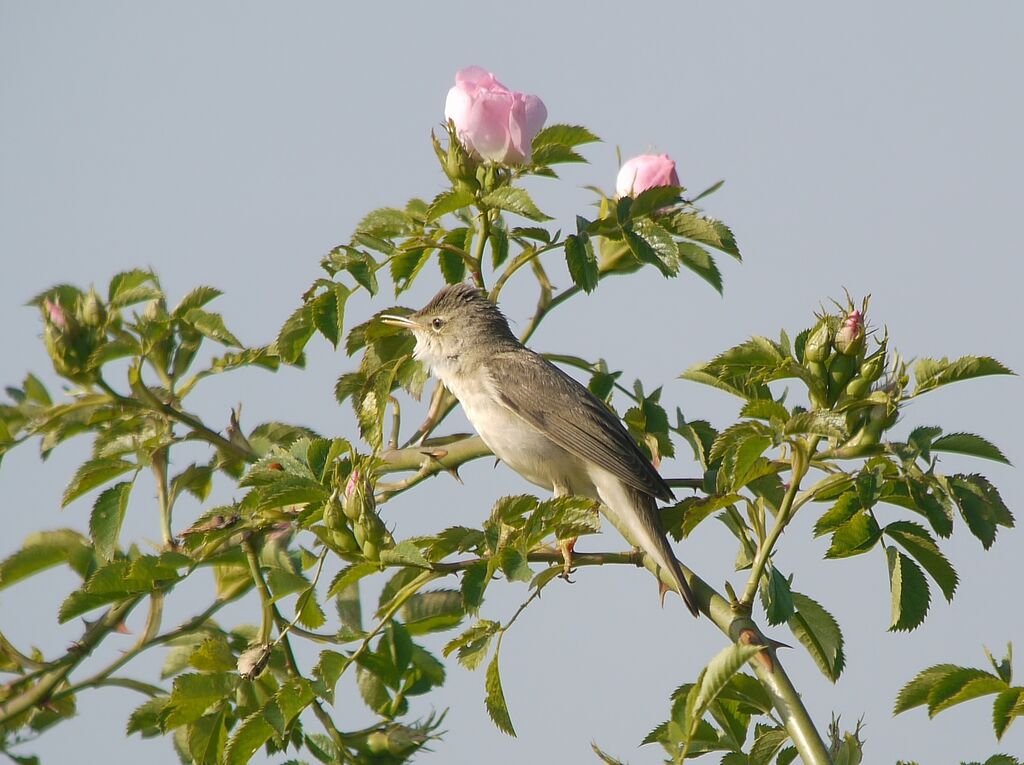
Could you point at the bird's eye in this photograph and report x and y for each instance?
(437, 324)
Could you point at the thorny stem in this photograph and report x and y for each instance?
(766, 665)
(800, 462)
(304, 598)
(483, 234)
(266, 601)
(194, 423)
(50, 679)
(159, 462)
(518, 262)
(396, 422)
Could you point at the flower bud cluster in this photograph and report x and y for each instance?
(75, 327)
(350, 516)
(843, 376)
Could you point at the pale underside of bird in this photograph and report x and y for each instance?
(540, 421)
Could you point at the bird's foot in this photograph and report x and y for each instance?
(566, 547)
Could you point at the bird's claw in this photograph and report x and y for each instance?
(566, 548)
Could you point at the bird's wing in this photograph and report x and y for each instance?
(572, 417)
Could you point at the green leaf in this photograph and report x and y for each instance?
(699, 260)
(499, 245)
(980, 505)
(856, 536)
(819, 423)
(447, 202)
(645, 252)
(915, 693)
(704, 230)
(107, 516)
(513, 565)
(206, 738)
(693, 510)
(555, 154)
(715, 677)
(765, 409)
(197, 298)
(387, 222)
(328, 312)
(960, 685)
(514, 200)
(145, 718)
(453, 267)
(195, 479)
(211, 325)
(130, 287)
(495, 700)
(970, 444)
(433, 611)
(777, 598)
(846, 506)
(1006, 707)
(909, 590)
(213, 655)
(295, 333)
(653, 199)
(289, 700)
(35, 390)
(819, 633)
(579, 256)
(767, 745)
(93, 473)
(472, 644)
(406, 266)
(44, 550)
(474, 582)
(349, 576)
(564, 135)
(916, 540)
(194, 693)
(932, 373)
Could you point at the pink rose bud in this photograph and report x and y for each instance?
(492, 121)
(850, 337)
(55, 313)
(645, 172)
(353, 481)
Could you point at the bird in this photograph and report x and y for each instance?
(538, 420)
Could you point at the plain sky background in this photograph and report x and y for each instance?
(872, 146)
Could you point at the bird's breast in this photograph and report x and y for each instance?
(517, 443)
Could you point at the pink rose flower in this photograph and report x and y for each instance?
(492, 121)
(645, 172)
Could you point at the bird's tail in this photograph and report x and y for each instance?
(650, 536)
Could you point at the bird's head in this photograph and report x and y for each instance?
(459, 326)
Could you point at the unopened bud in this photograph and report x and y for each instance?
(402, 740)
(253, 660)
(93, 312)
(819, 343)
(54, 313)
(850, 337)
(840, 370)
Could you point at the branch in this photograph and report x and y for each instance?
(740, 628)
(427, 461)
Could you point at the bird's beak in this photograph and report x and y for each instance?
(405, 322)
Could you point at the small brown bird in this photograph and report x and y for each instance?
(538, 420)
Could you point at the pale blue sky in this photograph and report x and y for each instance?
(871, 146)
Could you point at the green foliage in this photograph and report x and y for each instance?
(301, 501)
(945, 685)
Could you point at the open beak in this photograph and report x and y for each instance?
(404, 322)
